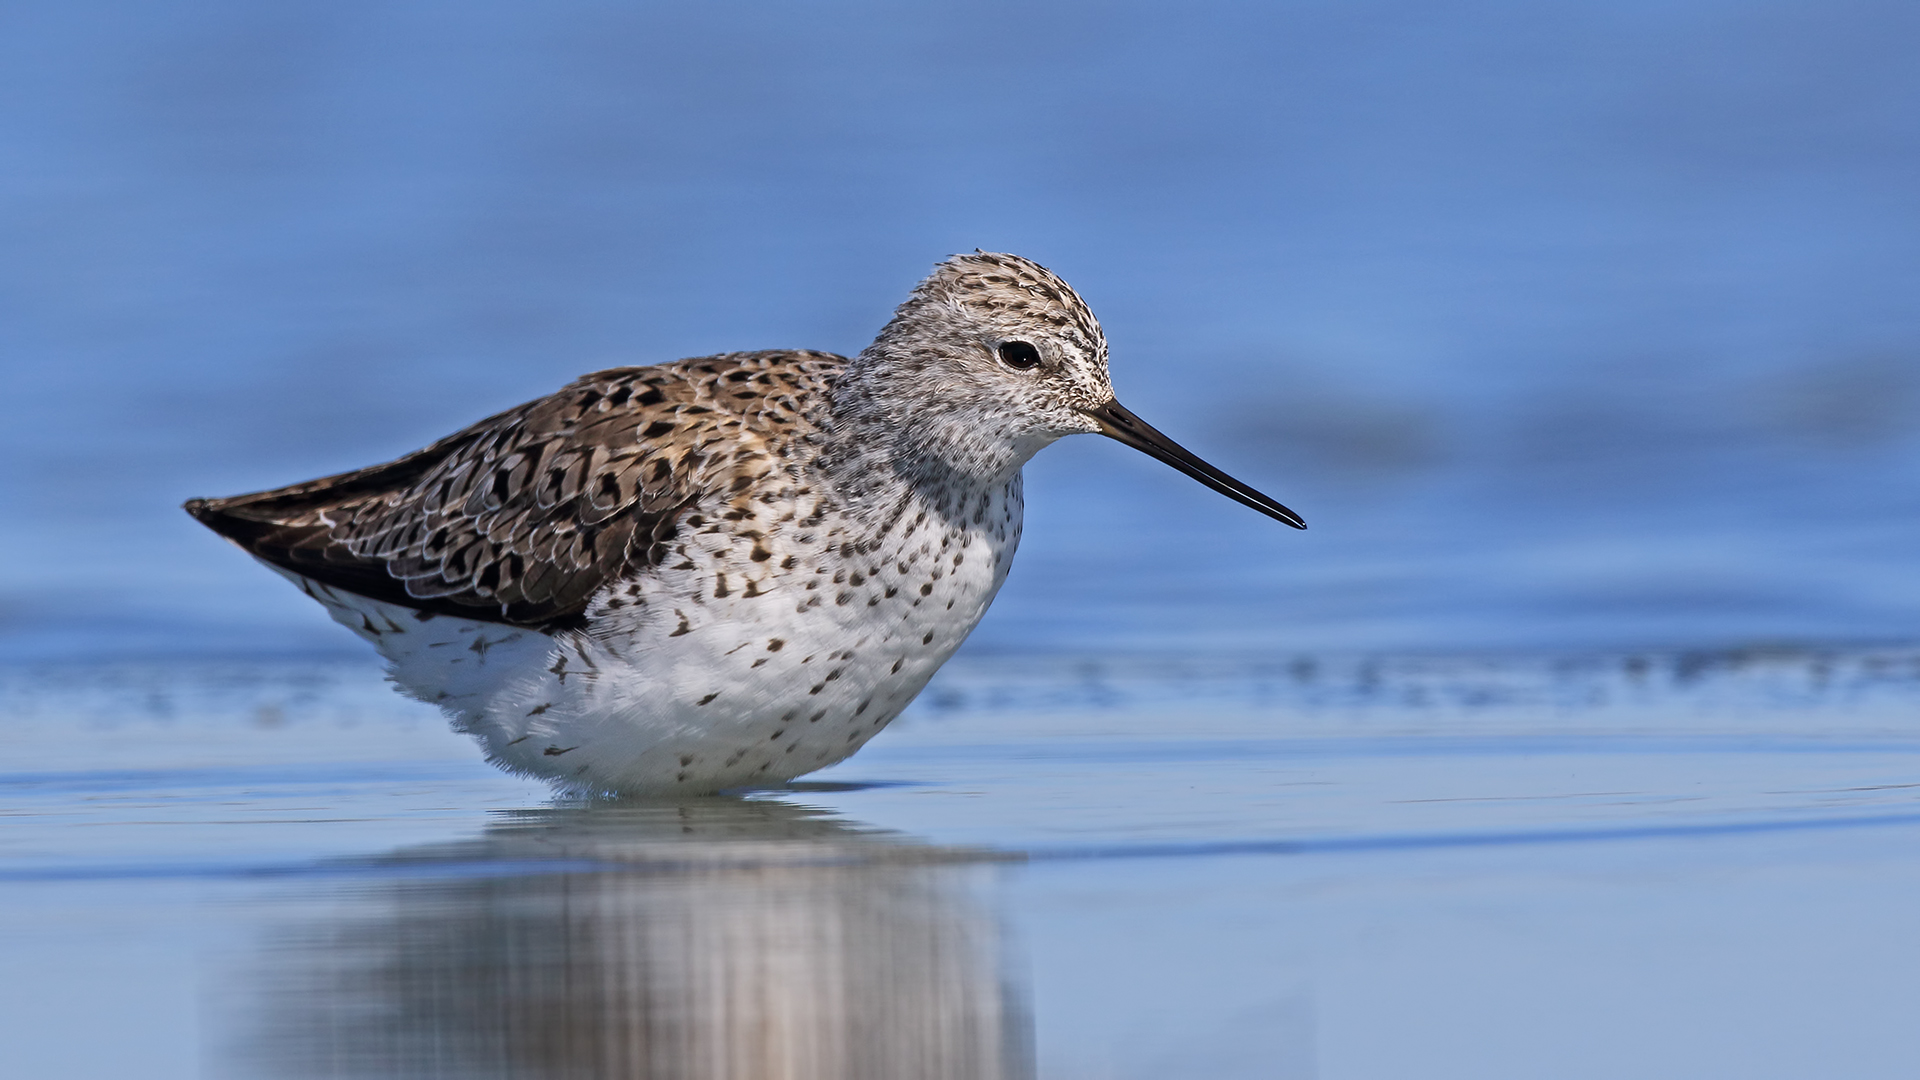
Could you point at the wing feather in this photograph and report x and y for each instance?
(523, 516)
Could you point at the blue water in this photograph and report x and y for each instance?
(1574, 739)
(1435, 867)
(1567, 326)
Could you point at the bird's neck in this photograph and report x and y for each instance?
(880, 444)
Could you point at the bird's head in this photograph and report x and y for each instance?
(992, 358)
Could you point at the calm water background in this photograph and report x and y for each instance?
(1437, 868)
(1565, 744)
(1565, 325)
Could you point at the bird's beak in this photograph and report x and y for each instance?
(1117, 423)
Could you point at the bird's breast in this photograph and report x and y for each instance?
(763, 646)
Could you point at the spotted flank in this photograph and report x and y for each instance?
(718, 572)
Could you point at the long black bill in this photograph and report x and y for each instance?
(1117, 423)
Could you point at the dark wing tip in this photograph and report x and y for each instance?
(246, 531)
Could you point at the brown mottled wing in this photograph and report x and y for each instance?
(522, 517)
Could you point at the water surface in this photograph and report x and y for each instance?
(1651, 865)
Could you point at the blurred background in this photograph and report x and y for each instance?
(1567, 326)
(1575, 739)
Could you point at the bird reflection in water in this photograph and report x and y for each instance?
(712, 939)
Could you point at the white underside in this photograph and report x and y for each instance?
(679, 692)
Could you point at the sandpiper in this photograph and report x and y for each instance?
(718, 572)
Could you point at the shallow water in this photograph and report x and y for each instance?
(1649, 866)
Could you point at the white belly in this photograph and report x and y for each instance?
(675, 688)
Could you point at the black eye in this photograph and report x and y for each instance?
(1019, 355)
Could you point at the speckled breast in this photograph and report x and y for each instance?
(769, 645)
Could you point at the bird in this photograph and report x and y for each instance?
(716, 573)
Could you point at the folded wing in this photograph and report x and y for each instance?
(518, 519)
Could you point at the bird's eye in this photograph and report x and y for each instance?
(1019, 355)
